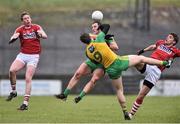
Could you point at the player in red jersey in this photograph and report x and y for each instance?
(163, 50)
(29, 35)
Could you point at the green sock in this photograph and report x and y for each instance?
(124, 109)
(82, 94)
(164, 63)
(66, 92)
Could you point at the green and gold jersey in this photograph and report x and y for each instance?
(99, 51)
(93, 37)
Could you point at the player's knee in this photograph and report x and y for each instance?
(96, 78)
(141, 58)
(12, 71)
(78, 75)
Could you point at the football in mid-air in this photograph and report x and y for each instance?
(97, 15)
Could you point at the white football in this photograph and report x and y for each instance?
(97, 15)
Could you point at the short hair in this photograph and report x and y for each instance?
(96, 21)
(85, 38)
(23, 14)
(176, 38)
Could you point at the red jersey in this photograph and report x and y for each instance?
(163, 52)
(30, 43)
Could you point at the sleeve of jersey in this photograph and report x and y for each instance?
(177, 53)
(38, 27)
(18, 30)
(100, 37)
(159, 42)
(109, 41)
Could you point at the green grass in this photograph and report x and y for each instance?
(95, 109)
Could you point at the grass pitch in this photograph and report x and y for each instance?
(92, 109)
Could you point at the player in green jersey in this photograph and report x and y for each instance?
(88, 67)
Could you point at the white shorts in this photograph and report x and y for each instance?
(28, 59)
(152, 73)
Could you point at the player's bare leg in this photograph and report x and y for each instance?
(135, 59)
(117, 83)
(97, 74)
(139, 100)
(15, 67)
(81, 71)
(29, 75)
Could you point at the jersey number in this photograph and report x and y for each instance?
(98, 57)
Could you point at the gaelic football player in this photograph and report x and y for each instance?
(162, 50)
(30, 49)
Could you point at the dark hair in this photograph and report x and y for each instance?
(176, 38)
(96, 21)
(85, 38)
(23, 14)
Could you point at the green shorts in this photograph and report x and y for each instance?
(115, 69)
(93, 66)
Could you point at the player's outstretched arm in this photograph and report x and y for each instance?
(14, 37)
(149, 48)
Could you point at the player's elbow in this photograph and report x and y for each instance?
(114, 47)
(44, 36)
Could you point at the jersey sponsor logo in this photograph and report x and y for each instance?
(91, 49)
(29, 35)
(165, 49)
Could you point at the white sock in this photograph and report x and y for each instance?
(25, 102)
(14, 91)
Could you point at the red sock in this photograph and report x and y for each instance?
(136, 106)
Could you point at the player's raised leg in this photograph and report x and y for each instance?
(15, 66)
(135, 59)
